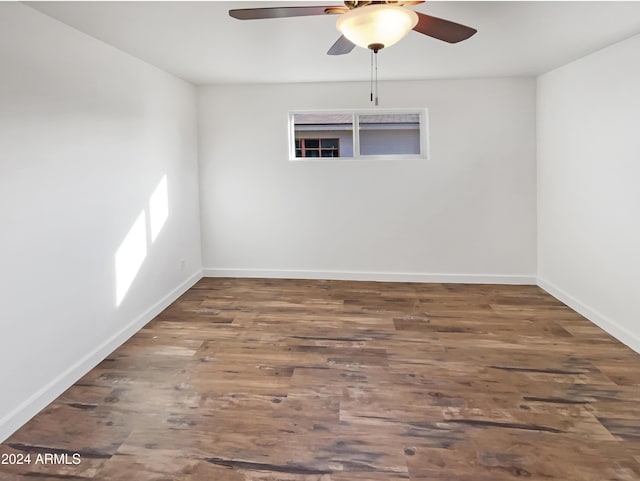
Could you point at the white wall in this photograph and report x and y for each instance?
(589, 187)
(467, 214)
(87, 133)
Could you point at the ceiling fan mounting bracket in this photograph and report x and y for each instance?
(376, 47)
(355, 3)
(351, 4)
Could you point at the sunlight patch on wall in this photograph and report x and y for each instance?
(130, 256)
(143, 233)
(158, 208)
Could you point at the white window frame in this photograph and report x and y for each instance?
(355, 115)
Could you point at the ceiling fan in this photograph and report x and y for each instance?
(370, 24)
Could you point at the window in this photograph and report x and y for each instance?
(317, 147)
(373, 134)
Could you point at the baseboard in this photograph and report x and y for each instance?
(372, 276)
(621, 333)
(12, 421)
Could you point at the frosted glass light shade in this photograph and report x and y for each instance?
(376, 24)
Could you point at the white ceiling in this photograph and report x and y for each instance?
(199, 42)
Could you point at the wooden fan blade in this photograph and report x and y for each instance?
(442, 29)
(343, 45)
(281, 12)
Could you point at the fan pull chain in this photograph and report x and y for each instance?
(375, 55)
(371, 77)
(374, 75)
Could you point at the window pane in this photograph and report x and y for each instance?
(329, 153)
(328, 129)
(311, 143)
(298, 143)
(389, 134)
(312, 153)
(298, 153)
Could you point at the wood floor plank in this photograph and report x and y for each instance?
(301, 380)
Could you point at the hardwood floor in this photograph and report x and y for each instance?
(256, 380)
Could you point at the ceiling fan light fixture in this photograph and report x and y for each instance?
(380, 24)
